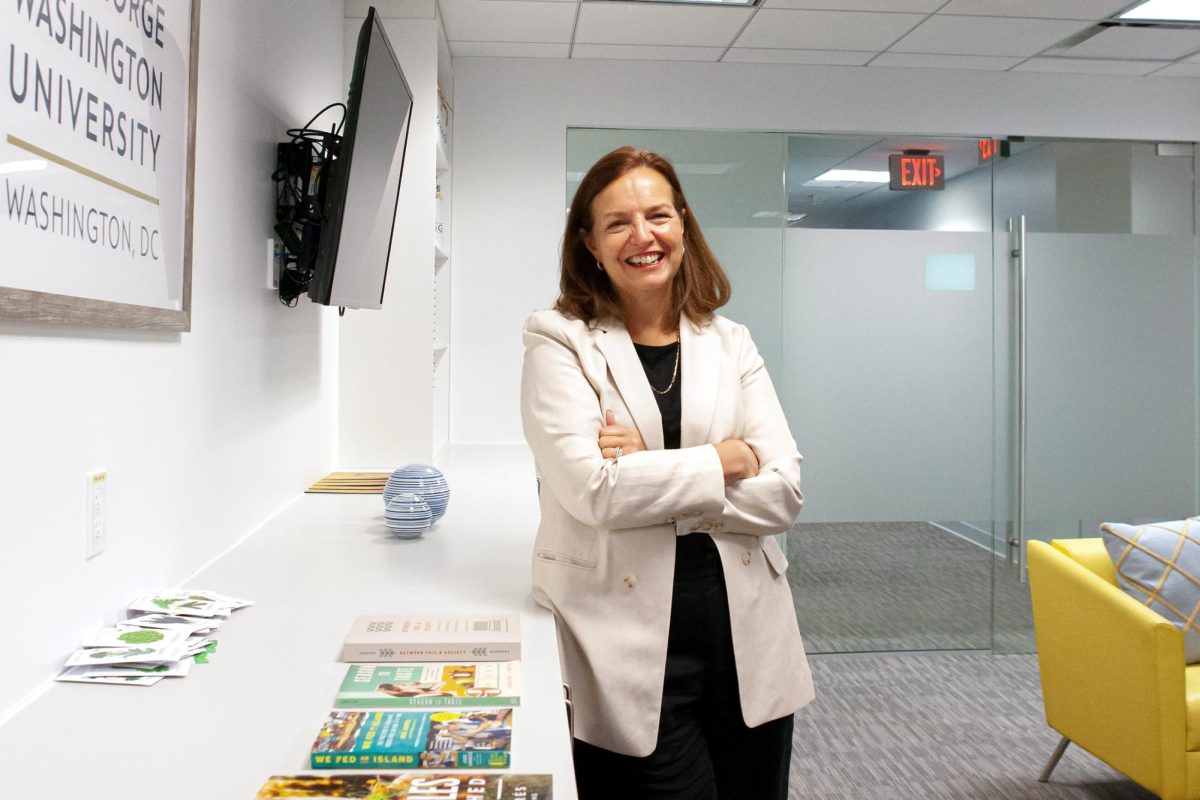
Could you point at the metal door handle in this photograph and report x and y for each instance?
(1017, 228)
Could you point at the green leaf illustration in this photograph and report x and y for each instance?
(136, 651)
(141, 637)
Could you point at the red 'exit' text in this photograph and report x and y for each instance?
(917, 172)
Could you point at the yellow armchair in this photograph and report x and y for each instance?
(1113, 675)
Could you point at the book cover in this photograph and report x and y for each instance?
(433, 638)
(485, 683)
(408, 787)
(406, 739)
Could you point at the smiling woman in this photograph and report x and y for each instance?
(637, 239)
(630, 205)
(666, 467)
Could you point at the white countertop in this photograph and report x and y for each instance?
(256, 708)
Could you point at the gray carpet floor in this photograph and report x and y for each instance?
(916, 726)
(886, 586)
(901, 619)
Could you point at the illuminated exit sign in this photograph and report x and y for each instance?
(912, 173)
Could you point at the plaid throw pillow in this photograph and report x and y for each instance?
(1159, 566)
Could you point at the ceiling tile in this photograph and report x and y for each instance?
(986, 36)
(944, 61)
(1164, 44)
(918, 6)
(1179, 71)
(638, 52)
(1049, 9)
(1090, 66)
(845, 58)
(511, 49)
(507, 20)
(826, 30)
(390, 9)
(659, 24)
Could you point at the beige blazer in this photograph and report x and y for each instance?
(604, 556)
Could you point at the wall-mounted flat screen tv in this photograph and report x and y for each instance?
(363, 181)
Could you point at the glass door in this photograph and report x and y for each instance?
(887, 383)
(1102, 372)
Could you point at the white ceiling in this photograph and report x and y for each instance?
(998, 35)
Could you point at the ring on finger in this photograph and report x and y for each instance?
(617, 452)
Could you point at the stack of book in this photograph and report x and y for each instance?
(421, 693)
(409, 786)
(165, 634)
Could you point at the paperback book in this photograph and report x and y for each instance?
(421, 739)
(485, 683)
(408, 787)
(418, 638)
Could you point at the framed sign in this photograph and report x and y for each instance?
(97, 151)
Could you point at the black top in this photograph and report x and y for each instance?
(659, 362)
(696, 559)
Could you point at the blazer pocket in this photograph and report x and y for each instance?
(568, 547)
(565, 559)
(774, 555)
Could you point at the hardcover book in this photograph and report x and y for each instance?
(420, 638)
(406, 739)
(484, 683)
(408, 787)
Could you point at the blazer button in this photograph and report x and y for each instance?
(746, 557)
(631, 581)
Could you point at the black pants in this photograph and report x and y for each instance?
(704, 751)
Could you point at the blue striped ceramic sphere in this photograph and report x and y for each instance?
(423, 480)
(408, 516)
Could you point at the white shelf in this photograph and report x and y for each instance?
(443, 211)
(277, 664)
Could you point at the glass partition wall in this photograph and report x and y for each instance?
(942, 421)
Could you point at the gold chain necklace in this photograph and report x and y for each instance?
(674, 374)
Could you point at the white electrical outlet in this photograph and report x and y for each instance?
(97, 507)
(272, 265)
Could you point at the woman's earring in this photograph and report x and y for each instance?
(599, 266)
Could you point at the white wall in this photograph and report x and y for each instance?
(510, 137)
(205, 434)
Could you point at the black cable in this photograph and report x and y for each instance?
(317, 116)
(299, 195)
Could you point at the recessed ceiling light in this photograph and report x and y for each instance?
(688, 2)
(1168, 10)
(854, 176)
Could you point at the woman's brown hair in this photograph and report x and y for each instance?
(586, 292)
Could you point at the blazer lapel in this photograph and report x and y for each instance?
(700, 362)
(630, 379)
